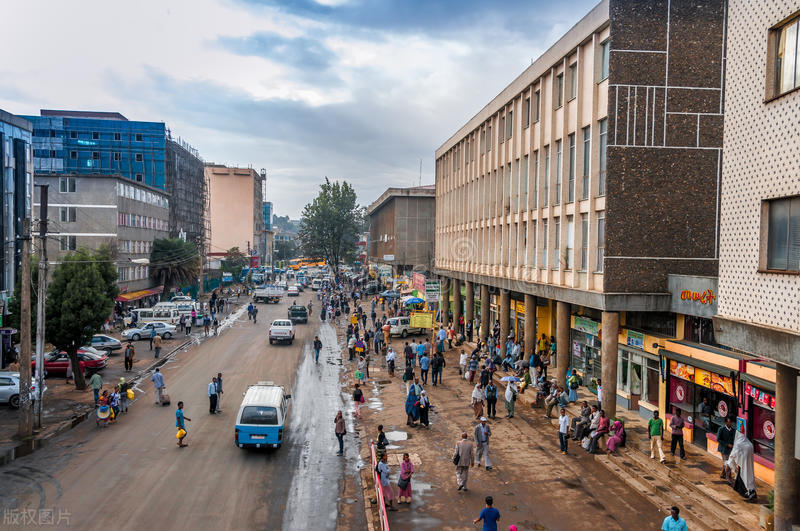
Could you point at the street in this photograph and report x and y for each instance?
(133, 475)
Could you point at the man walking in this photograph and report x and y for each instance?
(676, 424)
(424, 366)
(129, 354)
(152, 335)
(563, 430)
(158, 384)
(511, 398)
(219, 392)
(725, 437)
(317, 348)
(490, 393)
(463, 459)
(655, 431)
(180, 424)
(482, 434)
(674, 522)
(96, 383)
(212, 396)
(157, 344)
(489, 515)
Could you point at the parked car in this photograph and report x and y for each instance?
(106, 343)
(56, 362)
(372, 288)
(401, 326)
(162, 329)
(391, 294)
(281, 330)
(298, 313)
(9, 388)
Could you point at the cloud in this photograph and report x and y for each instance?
(298, 52)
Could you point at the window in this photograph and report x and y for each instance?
(536, 101)
(73, 155)
(73, 134)
(483, 141)
(573, 81)
(570, 241)
(66, 184)
(524, 194)
(502, 129)
(52, 153)
(117, 156)
(52, 133)
(557, 200)
(544, 244)
(546, 181)
(510, 124)
(783, 234)
(584, 241)
(536, 179)
(787, 75)
(489, 139)
(67, 214)
(533, 233)
(139, 178)
(587, 159)
(138, 137)
(571, 170)
(139, 157)
(604, 49)
(526, 113)
(68, 243)
(95, 155)
(559, 91)
(117, 136)
(557, 243)
(601, 181)
(601, 241)
(95, 135)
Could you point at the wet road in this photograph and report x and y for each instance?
(132, 474)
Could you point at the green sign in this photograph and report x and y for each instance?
(587, 326)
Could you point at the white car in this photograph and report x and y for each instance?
(281, 330)
(164, 330)
(293, 292)
(401, 326)
(9, 388)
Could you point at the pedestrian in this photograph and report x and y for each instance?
(408, 376)
(157, 344)
(358, 399)
(676, 424)
(412, 406)
(360, 368)
(674, 522)
(317, 348)
(424, 366)
(390, 360)
(462, 362)
(382, 442)
(219, 392)
(383, 471)
(463, 458)
(489, 515)
(182, 322)
(510, 399)
(206, 325)
(574, 382)
(68, 371)
(340, 430)
(482, 434)
(158, 384)
(472, 367)
(96, 383)
(255, 314)
(152, 335)
(477, 400)
(726, 435)
(123, 395)
(216, 327)
(212, 396)
(181, 425)
(404, 484)
(563, 430)
(129, 355)
(424, 407)
(189, 324)
(655, 432)
(250, 311)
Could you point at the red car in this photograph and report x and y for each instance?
(56, 362)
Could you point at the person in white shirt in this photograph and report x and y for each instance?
(563, 430)
(390, 360)
(462, 362)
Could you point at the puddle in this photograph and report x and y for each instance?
(393, 447)
(395, 436)
(349, 500)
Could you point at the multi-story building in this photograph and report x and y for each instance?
(16, 171)
(105, 143)
(759, 261)
(269, 234)
(401, 228)
(236, 211)
(187, 187)
(567, 201)
(92, 210)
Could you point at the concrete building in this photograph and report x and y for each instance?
(401, 228)
(269, 234)
(16, 171)
(187, 187)
(759, 298)
(92, 210)
(236, 211)
(567, 201)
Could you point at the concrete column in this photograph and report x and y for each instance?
(505, 301)
(562, 342)
(469, 311)
(609, 362)
(456, 301)
(787, 468)
(484, 332)
(530, 326)
(445, 304)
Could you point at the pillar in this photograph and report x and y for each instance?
(787, 468)
(456, 301)
(484, 332)
(445, 304)
(609, 362)
(505, 302)
(562, 342)
(469, 311)
(530, 326)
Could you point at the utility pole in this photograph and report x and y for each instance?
(25, 412)
(40, 307)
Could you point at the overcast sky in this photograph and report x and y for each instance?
(359, 90)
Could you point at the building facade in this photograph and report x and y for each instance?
(401, 228)
(269, 234)
(236, 211)
(93, 210)
(105, 143)
(759, 302)
(16, 170)
(567, 201)
(187, 187)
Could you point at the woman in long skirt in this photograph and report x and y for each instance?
(477, 401)
(406, 471)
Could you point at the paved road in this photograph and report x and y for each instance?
(132, 475)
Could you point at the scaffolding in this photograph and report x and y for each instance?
(188, 188)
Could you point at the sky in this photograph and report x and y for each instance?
(357, 90)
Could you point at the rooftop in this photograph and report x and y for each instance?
(101, 115)
(428, 190)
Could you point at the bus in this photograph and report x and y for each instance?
(297, 263)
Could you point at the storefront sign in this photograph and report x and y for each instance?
(769, 429)
(432, 290)
(693, 295)
(759, 397)
(702, 377)
(634, 339)
(741, 425)
(587, 326)
(681, 370)
(418, 281)
(388, 258)
(421, 320)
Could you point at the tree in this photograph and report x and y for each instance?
(329, 224)
(234, 261)
(173, 262)
(286, 249)
(80, 298)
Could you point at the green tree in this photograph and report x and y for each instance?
(80, 298)
(173, 262)
(286, 249)
(234, 261)
(329, 224)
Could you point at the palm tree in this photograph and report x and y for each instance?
(173, 262)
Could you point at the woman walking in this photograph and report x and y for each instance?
(424, 406)
(573, 382)
(340, 430)
(412, 407)
(358, 399)
(477, 401)
(404, 485)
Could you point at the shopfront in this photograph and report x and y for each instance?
(637, 376)
(757, 419)
(585, 347)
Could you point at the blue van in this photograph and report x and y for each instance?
(262, 416)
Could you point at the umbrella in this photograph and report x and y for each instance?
(412, 300)
(509, 379)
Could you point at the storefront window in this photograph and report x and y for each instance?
(586, 355)
(761, 417)
(652, 382)
(698, 330)
(622, 370)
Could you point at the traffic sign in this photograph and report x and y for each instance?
(432, 290)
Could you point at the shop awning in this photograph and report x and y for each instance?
(761, 383)
(694, 362)
(136, 295)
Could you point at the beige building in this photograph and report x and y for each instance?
(759, 299)
(235, 210)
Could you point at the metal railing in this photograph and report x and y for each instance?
(377, 480)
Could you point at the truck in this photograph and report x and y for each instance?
(267, 293)
(298, 314)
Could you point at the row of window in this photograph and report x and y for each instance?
(135, 246)
(141, 222)
(133, 273)
(94, 135)
(137, 194)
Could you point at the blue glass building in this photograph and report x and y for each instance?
(86, 142)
